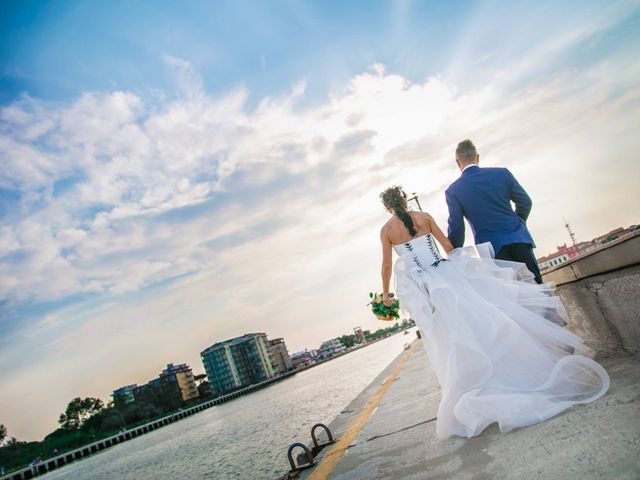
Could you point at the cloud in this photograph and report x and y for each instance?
(188, 79)
(125, 163)
(356, 143)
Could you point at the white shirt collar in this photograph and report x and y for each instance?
(470, 165)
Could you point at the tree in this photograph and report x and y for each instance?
(164, 396)
(78, 411)
(348, 340)
(106, 420)
(13, 441)
(120, 403)
(3, 433)
(114, 420)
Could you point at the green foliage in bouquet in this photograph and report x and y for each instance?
(382, 311)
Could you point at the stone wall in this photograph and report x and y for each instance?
(601, 291)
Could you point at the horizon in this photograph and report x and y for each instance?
(306, 349)
(175, 175)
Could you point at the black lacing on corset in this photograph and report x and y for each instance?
(432, 248)
(434, 251)
(409, 247)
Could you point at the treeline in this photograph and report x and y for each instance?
(350, 340)
(89, 419)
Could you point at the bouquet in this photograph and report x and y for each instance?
(381, 311)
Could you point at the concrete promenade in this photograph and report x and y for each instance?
(596, 441)
(388, 431)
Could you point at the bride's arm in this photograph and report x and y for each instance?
(386, 267)
(440, 237)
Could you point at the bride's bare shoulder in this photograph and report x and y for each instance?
(390, 229)
(421, 218)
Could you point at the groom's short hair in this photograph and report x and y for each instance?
(466, 151)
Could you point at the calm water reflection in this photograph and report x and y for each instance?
(246, 438)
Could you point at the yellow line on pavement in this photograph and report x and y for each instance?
(338, 449)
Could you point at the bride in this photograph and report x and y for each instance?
(490, 331)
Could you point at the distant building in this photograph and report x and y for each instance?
(280, 360)
(360, 338)
(204, 389)
(183, 377)
(238, 362)
(407, 323)
(174, 386)
(303, 359)
(554, 259)
(563, 253)
(125, 393)
(330, 348)
(161, 392)
(140, 391)
(610, 236)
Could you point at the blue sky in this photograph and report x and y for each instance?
(173, 176)
(55, 50)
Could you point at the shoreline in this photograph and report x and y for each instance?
(320, 362)
(76, 454)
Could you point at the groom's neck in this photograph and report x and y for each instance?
(464, 166)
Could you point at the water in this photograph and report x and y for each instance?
(246, 438)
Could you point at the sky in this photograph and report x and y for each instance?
(173, 175)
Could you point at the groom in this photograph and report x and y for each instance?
(483, 196)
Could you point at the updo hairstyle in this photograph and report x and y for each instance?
(395, 199)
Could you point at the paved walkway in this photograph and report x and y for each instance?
(392, 434)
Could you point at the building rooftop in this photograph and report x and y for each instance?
(584, 247)
(233, 341)
(126, 387)
(171, 368)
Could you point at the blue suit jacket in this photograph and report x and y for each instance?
(483, 196)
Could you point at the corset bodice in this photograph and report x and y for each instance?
(422, 250)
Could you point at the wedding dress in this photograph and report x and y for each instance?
(491, 337)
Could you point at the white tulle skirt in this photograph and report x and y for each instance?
(494, 339)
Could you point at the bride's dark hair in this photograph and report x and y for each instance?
(395, 199)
